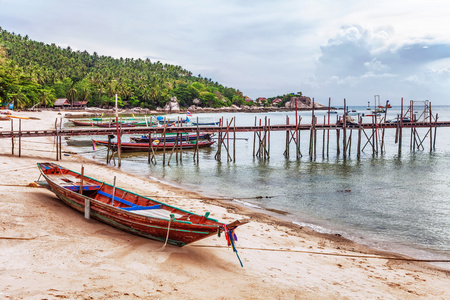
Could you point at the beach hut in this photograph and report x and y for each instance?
(80, 104)
(61, 102)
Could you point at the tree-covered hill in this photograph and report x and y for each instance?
(34, 73)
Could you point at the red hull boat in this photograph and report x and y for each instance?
(155, 145)
(129, 211)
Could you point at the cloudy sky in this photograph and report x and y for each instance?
(351, 49)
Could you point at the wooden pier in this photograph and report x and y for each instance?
(370, 135)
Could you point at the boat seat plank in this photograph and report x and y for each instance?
(138, 207)
(118, 199)
(76, 188)
(157, 213)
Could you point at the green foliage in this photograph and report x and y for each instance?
(284, 98)
(80, 76)
(211, 100)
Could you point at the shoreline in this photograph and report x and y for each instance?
(279, 259)
(411, 251)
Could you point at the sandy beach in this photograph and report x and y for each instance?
(49, 251)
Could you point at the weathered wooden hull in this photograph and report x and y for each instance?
(172, 138)
(184, 227)
(206, 124)
(106, 124)
(145, 147)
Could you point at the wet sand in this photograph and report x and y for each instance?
(49, 251)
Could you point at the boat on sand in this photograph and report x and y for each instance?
(129, 211)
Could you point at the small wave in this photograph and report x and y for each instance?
(247, 204)
(314, 227)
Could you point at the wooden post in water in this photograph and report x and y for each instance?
(412, 141)
(338, 136)
(400, 129)
(383, 146)
(265, 139)
(435, 129)
(119, 147)
(344, 130)
(373, 133)
(164, 141)
(315, 138)
(311, 133)
(196, 148)
(254, 140)
(431, 131)
(298, 134)
(234, 140)
(107, 150)
(328, 130)
(286, 150)
(149, 157)
(118, 135)
(349, 143)
(268, 139)
(60, 139)
(314, 122)
(358, 151)
(323, 139)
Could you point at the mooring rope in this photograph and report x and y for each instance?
(15, 169)
(167, 236)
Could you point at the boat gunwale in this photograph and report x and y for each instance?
(133, 193)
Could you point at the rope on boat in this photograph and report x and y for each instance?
(333, 254)
(231, 238)
(167, 236)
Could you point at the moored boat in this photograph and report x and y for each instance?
(171, 137)
(98, 123)
(103, 124)
(206, 123)
(155, 145)
(129, 211)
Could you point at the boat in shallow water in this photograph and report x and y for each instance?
(171, 137)
(155, 145)
(206, 123)
(129, 211)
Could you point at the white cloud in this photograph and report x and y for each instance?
(264, 48)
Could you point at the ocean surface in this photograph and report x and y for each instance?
(391, 202)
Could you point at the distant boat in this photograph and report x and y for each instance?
(99, 123)
(378, 110)
(103, 124)
(206, 124)
(129, 211)
(171, 137)
(166, 121)
(155, 145)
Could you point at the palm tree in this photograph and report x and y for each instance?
(45, 97)
(71, 94)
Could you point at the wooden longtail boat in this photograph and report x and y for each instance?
(103, 124)
(155, 145)
(171, 137)
(110, 124)
(206, 124)
(129, 211)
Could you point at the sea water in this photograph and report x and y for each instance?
(389, 201)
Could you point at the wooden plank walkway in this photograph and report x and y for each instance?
(92, 131)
